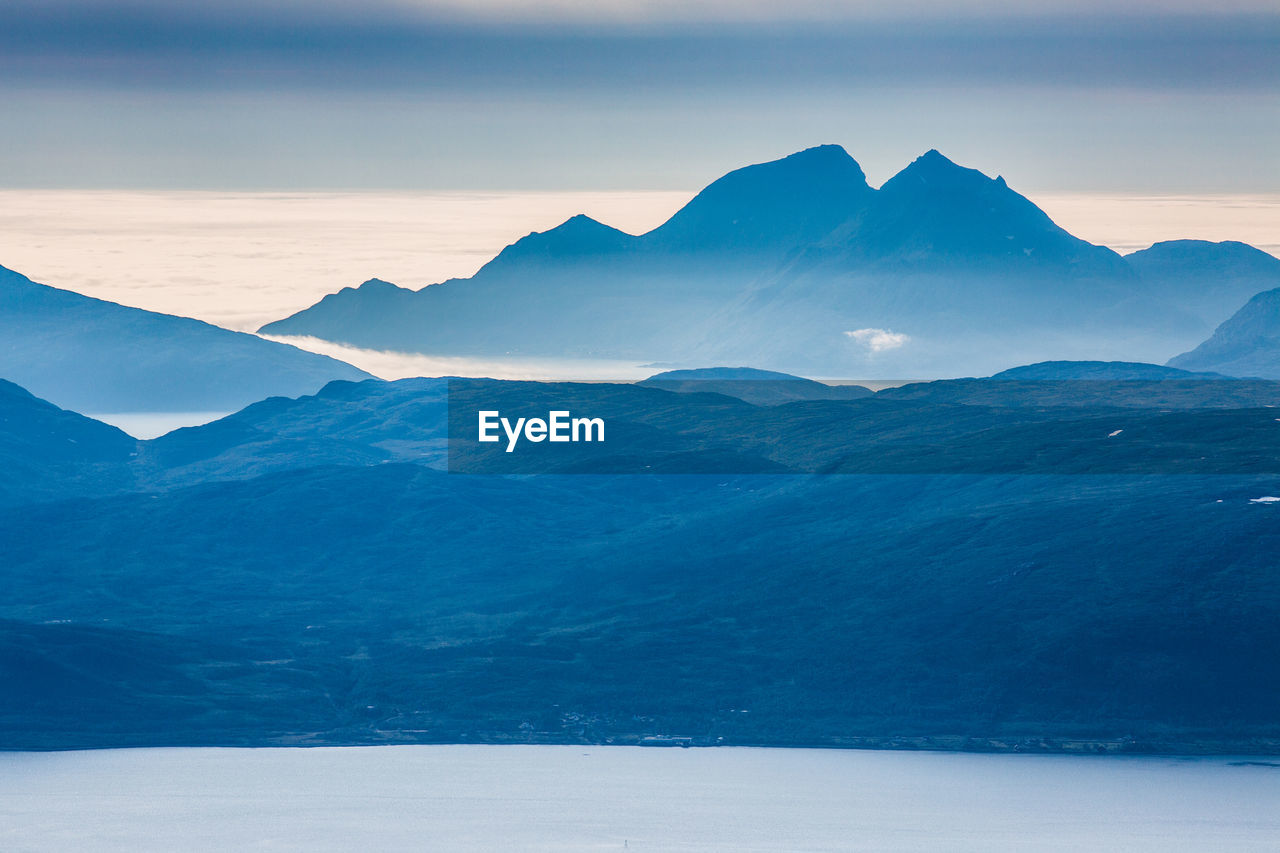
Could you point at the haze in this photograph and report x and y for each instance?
(1153, 98)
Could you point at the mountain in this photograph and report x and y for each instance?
(392, 604)
(935, 214)
(1104, 370)
(799, 265)
(345, 423)
(952, 427)
(1247, 344)
(716, 374)
(978, 426)
(583, 289)
(47, 452)
(1212, 278)
(770, 208)
(302, 572)
(135, 685)
(760, 387)
(949, 271)
(95, 356)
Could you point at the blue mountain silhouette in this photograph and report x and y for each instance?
(781, 264)
(1247, 344)
(96, 356)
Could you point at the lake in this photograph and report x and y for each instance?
(570, 798)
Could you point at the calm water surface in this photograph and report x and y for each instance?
(550, 798)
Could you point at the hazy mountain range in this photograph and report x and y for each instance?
(796, 264)
(304, 572)
(1248, 344)
(800, 265)
(96, 356)
(338, 562)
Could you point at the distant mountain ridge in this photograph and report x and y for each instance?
(295, 574)
(1206, 274)
(786, 264)
(1042, 425)
(49, 453)
(759, 387)
(91, 355)
(1103, 370)
(1247, 344)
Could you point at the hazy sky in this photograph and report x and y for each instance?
(1150, 97)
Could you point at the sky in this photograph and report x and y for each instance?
(1087, 96)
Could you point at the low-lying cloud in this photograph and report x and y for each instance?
(878, 340)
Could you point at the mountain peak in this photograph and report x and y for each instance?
(933, 169)
(829, 154)
(579, 224)
(796, 199)
(938, 212)
(577, 235)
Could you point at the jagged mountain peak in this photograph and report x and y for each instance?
(577, 235)
(932, 172)
(582, 225)
(937, 211)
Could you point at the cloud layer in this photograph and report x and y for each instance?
(506, 44)
(507, 94)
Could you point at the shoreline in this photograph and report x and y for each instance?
(1262, 747)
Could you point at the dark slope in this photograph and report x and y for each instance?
(94, 685)
(959, 426)
(1212, 278)
(374, 601)
(396, 604)
(1162, 396)
(776, 264)
(1247, 344)
(760, 387)
(346, 423)
(1106, 370)
(96, 356)
(47, 452)
(37, 429)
